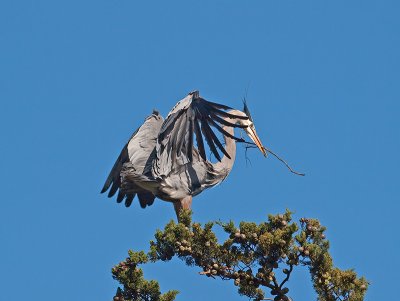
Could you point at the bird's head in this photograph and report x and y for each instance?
(250, 129)
(246, 122)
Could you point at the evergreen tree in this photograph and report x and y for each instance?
(258, 258)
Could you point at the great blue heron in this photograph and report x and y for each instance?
(160, 159)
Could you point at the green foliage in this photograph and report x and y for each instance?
(330, 283)
(258, 258)
(135, 287)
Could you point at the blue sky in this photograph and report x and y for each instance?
(78, 77)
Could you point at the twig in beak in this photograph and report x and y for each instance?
(284, 162)
(253, 145)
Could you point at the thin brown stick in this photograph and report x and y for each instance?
(252, 145)
(284, 162)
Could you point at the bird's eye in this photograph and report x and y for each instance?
(250, 123)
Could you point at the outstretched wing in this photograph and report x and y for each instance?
(135, 155)
(192, 116)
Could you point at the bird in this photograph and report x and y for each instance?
(161, 159)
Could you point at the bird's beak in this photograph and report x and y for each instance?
(251, 131)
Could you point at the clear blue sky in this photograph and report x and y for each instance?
(78, 77)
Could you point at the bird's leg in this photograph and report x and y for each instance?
(183, 204)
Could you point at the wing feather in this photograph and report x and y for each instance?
(113, 177)
(192, 117)
(121, 196)
(206, 132)
(133, 156)
(215, 139)
(224, 122)
(190, 139)
(199, 140)
(219, 128)
(226, 114)
(129, 199)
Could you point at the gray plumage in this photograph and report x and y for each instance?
(161, 160)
